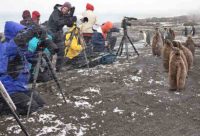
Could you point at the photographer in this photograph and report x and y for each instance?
(61, 16)
(99, 36)
(26, 15)
(15, 68)
(86, 27)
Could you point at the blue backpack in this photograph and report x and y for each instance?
(108, 59)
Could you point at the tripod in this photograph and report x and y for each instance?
(41, 55)
(124, 38)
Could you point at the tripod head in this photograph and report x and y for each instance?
(125, 22)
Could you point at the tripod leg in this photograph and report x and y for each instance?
(132, 45)
(119, 51)
(54, 76)
(84, 44)
(127, 54)
(4, 95)
(122, 46)
(36, 72)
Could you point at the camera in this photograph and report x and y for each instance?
(47, 44)
(125, 21)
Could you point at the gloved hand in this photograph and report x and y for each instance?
(70, 21)
(74, 19)
(85, 19)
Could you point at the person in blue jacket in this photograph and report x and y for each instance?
(14, 68)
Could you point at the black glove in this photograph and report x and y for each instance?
(74, 19)
(85, 19)
(70, 21)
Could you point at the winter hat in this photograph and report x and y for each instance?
(66, 4)
(35, 15)
(106, 26)
(89, 7)
(26, 14)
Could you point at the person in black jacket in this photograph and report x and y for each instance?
(57, 20)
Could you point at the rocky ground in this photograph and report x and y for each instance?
(127, 98)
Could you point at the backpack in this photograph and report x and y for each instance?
(72, 43)
(108, 59)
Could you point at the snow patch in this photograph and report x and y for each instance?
(81, 97)
(103, 113)
(151, 114)
(83, 104)
(136, 78)
(85, 116)
(150, 92)
(44, 118)
(146, 109)
(133, 114)
(93, 90)
(31, 120)
(117, 110)
(9, 119)
(15, 129)
(156, 82)
(139, 72)
(81, 131)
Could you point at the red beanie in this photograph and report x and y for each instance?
(106, 28)
(35, 15)
(26, 14)
(66, 4)
(89, 6)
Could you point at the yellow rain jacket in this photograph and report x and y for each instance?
(73, 46)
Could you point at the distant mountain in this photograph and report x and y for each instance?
(177, 19)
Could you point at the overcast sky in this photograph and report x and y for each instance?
(113, 10)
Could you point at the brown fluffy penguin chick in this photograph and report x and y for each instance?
(157, 44)
(190, 45)
(166, 53)
(187, 53)
(177, 70)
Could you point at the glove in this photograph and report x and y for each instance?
(74, 19)
(70, 21)
(85, 19)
